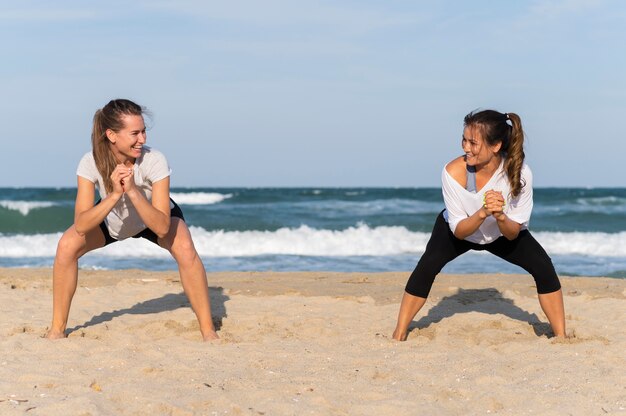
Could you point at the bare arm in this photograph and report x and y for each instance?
(468, 226)
(509, 228)
(155, 215)
(86, 215)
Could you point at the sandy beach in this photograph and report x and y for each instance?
(310, 343)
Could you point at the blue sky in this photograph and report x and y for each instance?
(314, 93)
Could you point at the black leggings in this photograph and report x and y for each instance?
(444, 247)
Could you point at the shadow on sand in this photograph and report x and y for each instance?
(489, 301)
(168, 302)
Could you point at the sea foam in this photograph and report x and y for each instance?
(24, 207)
(199, 198)
(359, 240)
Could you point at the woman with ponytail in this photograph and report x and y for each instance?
(133, 181)
(488, 200)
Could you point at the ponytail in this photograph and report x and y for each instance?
(514, 157)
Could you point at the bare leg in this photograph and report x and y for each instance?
(552, 305)
(409, 307)
(65, 275)
(192, 275)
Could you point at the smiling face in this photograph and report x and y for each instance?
(477, 151)
(126, 144)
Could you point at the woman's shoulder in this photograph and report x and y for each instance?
(87, 167)
(87, 160)
(151, 154)
(154, 164)
(457, 169)
(527, 175)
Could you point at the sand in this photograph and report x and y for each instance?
(310, 343)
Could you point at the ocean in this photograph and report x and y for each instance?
(330, 229)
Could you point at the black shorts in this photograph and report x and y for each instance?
(147, 233)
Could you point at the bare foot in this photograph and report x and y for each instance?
(55, 334)
(399, 336)
(210, 336)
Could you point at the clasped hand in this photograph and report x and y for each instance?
(123, 179)
(493, 203)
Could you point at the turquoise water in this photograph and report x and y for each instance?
(338, 229)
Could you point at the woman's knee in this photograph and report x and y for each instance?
(421, 280)
(547, 282)
(184, 252)
(181, 246)
(544, 273)
(70, 245)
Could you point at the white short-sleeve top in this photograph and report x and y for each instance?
(461, 203)
(124, 221)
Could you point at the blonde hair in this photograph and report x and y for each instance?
(109, 117)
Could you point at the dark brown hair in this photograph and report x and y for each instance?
(494, 128)
(109, 117)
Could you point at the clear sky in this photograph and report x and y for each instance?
(314, 93)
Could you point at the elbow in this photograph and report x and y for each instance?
(80, 225)
(161, 233)
(515, 232)
(512, 235)
(164, 229)
(459, 235)
(80, 229)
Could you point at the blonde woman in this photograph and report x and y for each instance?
(133, 182)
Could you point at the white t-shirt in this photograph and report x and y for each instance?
(124, 221)
(461, 203)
